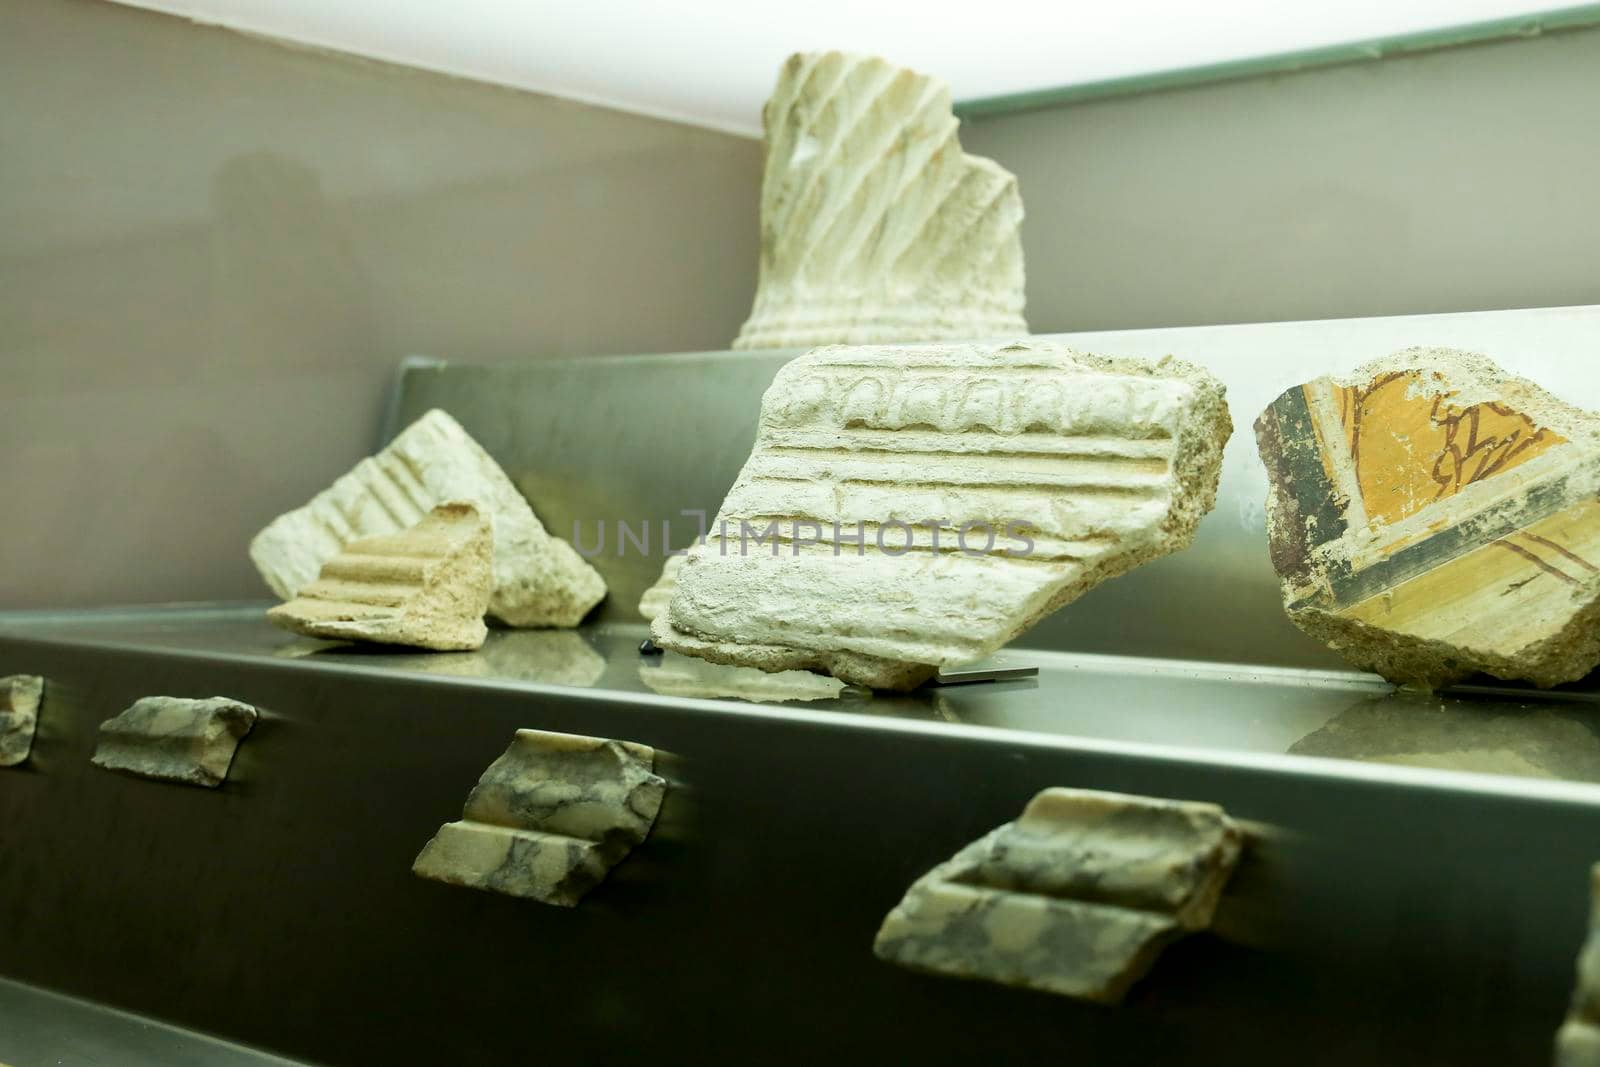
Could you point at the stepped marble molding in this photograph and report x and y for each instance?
(1431, 517)
(987, 485)
(20, 696)
(175, 739)
(427, 586)
(539, 580)
(875, 226)
(1077, 897)
(549, 818)
(1578, 1040)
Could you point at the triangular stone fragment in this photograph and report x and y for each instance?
(875, 226)
(20, 695)
(1078, 897)
(427, 586)
(906, 509)
(1432, 516)
(539, 580)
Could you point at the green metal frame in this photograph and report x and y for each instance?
(1538, 24)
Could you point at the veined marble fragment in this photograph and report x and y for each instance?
(1578, 1040)
(658, 596)
(427, 586)
(539, 580)
(1077, 897)
(906, 509)
(875, 226)
(20, 695)
(175, 739)
(549, 818)
(1432, 517)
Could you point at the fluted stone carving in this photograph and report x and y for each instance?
(1432, 516)
(20, 695)
(175, 739)
(539, 580)
(427, 586)
(549, 818)
(912, 508)
(875, 226)
(1078, 897)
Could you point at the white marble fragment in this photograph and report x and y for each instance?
(175, 739)
(20, 695)
(426, 586)
(1077, 897)
(539, 580)
(658, 596)
(1578, 1040)
(549, 818)
(875, 226)
(906, 509)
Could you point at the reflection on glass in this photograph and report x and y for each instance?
(685, 676)
(553, 657)
(1456, 734)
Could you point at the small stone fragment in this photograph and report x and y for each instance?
(685, 676)
(175, 739)
(875, 226)
(1432, 517)
(20, 695)
(906, 509)
(549, 818)
(658, 596)
(1077, 897)
(427, 586)
(1578, 1040)
(539, 580)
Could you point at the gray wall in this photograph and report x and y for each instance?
(1457, 180)
(213, 249)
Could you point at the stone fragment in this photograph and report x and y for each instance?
(1432, 517)
(427, 586)
(875, 226)
(539, 580)
(658, 596)
(20, 695)
(549, 818)
(1078, 897)
(1578, 1040)
(175, 739)
(906, 509)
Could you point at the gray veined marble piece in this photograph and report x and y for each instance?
(1578, 1040)
(175, 739)
(549, 818)
(1077, 897)
(20, 695)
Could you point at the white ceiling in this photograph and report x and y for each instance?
(712, 62)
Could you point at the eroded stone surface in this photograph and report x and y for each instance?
(175, 739)
(989, 484)
(427, 586)
(1578, 1040)
(539, 580)
(1432, 517)
(549, 818)
(20, 695)
(658, 596)
(875, 225)
(1078, 896)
